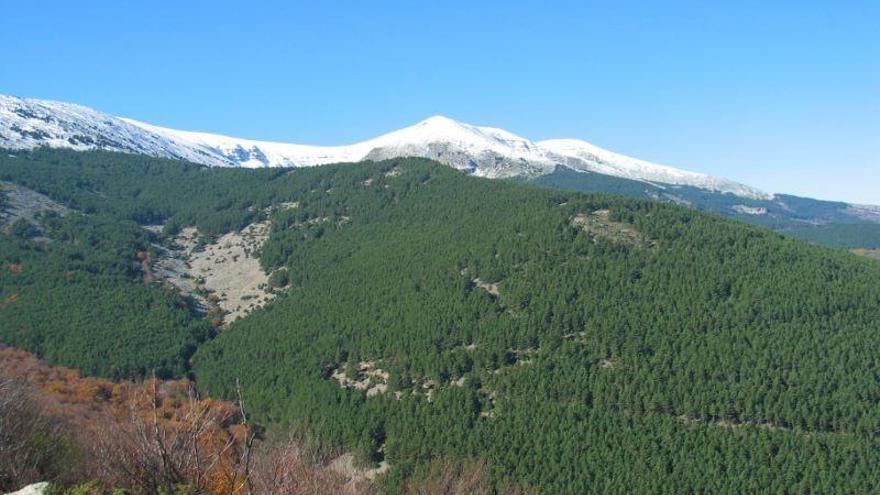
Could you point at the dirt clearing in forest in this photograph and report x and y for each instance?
(600, 224)
(225, 273)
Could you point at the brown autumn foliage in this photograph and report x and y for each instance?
(158, 436)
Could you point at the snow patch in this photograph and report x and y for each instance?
(864, 212)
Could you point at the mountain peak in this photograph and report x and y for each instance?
(436, 126)
(439, 120)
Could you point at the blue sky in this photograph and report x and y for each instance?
(781, 95)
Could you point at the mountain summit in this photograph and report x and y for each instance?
(27, 123)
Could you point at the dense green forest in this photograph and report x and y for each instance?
(841, 235)
(79, 299)
(580, 343)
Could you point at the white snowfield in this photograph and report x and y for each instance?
(27, 123)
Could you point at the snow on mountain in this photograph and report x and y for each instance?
(481, 150)
(236, 152)
(865, 212)
(27, 123)
(587, 157)
(484, 151)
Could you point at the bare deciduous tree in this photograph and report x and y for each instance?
(206, 446)
(284, 468)
(27, 452)
(162, 444)
(160, 437)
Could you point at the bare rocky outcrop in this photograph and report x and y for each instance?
(225, 273)
(345, 466)
(26, 204)
(869, 253)
(599, 224)
(491, 288)
(367, 378)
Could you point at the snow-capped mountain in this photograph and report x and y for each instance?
(581, 155)
(27, 123)
(482, 150)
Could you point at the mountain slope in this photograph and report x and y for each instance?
(483, 151)
(583, 156)
(434, 315)
(31, 123)
(817, 221)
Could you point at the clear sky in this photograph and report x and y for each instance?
(781, 95)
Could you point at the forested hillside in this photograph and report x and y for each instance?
(579, 343)
(79, 299)
(827, 223)
(651, 336)
(865, 236)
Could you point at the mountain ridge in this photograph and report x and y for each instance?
(484, 151)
